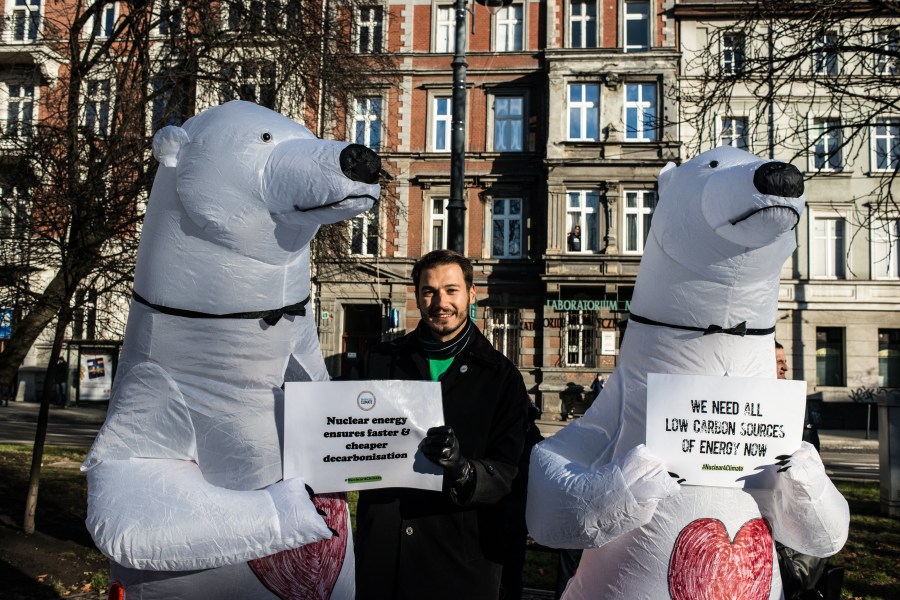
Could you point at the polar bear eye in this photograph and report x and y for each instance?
(266, 136)
(714, 164)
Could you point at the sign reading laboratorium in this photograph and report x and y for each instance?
(717, 431)
(358, 435)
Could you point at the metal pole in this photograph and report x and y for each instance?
(456, 208)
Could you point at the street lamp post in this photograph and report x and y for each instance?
(456, 208)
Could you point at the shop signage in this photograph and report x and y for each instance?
(595, 305)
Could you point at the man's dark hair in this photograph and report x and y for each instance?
(436, 258)
(778, 346)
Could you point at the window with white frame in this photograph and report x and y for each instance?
(583, 24)
(364, 233)
(886, 145)
(506, 228)
(827, 248)
(638, 214)
(637, 26)
(103, 22)
(438, 223)
(369, 29)
(367, 122)
(509, 29)
(825, 54)
(97, 106)
(733, 132)
(583, 221)
(886, 52)
(640, 112)
(884, 248)
(580, 327)
(441, 123)
(19, 110)
(250, 81)
(26, 20)
(509, 123)
(733, 53)
(445, 29)
(170, 15)
(826, 144)
(14, 210)
(503, 327)
(168, 101)
(584, 111)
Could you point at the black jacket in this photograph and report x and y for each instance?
(422, 544)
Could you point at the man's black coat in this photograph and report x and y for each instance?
(421, 544)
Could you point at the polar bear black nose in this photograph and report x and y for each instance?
(779, 179)
(360, 164)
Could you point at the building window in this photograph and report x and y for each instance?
(369, 29)
(583, 24)
(638, 212)
(887, 49)
(828, 248)
(733, 132)
(825, 54)
(509, 29)
(826, 145)
(438, 223)
(251, 81)
(583, 221)
(503, 327)
(14, 213)
(640, 112)
(103, 22)
(889, 358)
(170, 14)
(442, 120)
(367, 122)
(830, 356)
(509, 123)
(886, 145)
(637, 26)
(364, 234)
(506, 228)
(579, 330)
(169, 101)
(19, 110)
(733, 53)
(26, 20)
(584, 111)
(885, 247)
(445, 30)
(97, 98)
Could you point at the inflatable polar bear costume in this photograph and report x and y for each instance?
(721, 232)
(185, 479)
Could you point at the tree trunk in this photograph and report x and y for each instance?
(40, 435)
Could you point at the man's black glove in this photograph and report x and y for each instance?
(441, 447)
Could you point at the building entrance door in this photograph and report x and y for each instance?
(362, 329)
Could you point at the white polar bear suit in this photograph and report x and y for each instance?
(185, 478)
(721, 231)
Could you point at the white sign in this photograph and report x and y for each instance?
(359, 435)
(607, 343)
(717, 431)
(95, 376)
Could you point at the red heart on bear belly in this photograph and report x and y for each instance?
(707, 565)
(309, 572)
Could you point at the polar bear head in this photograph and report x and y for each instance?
(260, 184)
(727, 202)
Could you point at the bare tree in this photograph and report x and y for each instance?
(779, 62)
(78, 168)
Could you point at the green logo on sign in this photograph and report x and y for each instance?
(366, 479)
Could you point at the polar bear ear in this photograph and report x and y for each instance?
(167, 144)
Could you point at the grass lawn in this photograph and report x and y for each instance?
(60, 560)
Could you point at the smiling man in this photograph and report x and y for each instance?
(448, 544)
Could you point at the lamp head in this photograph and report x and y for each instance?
(494, 5)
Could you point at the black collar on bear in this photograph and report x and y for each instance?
(740, 329)
(271, 317)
